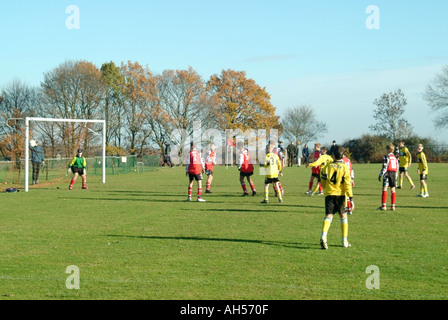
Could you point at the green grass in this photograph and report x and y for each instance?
(136, 237)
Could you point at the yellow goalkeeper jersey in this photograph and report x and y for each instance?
(422, 164)
(336, 180)
(405, 157)
(272, 165)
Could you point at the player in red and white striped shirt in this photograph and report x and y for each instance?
(348, 163)
(246, 169)
(315, 171)
(210, 161)
(389, 172)
(195, 168)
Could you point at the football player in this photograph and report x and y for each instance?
(210, 161)
(405, 161)
(422, 171)
(320, 163)
(246, 169)
(389, 172)
(194, 170)
(336, 181)
(273, 169)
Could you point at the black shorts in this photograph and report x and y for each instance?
(209, 172)
(80, 171)
(390, 179)
(196, 177)
(423, 177)
(246, 174)
(316, 175)
(271, 180)
(403, 169)
(335, 204)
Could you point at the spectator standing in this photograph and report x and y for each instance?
(299, 153)
(37, 160)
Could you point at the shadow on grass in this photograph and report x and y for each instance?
(133, 199)
(261, 207)
(291, 245)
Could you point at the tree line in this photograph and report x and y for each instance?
(142, 109)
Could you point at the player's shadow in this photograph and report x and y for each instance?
(292, 245)
(235, 210)
(135, 199)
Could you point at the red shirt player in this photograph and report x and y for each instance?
(195, 168)
(246, 169)
(210, 160)
(315, 171)
(389, 172)
(348, 163)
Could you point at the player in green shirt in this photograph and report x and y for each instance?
(78, 167)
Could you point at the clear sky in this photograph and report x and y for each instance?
(319, 53)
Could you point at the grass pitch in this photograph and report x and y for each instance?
(136, 237)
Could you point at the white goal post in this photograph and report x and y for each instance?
(27, 142)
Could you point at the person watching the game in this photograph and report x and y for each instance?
(166, 156)
(37, 160)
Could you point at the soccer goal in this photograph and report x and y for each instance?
(28, 120)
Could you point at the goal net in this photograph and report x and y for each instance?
(62, 138)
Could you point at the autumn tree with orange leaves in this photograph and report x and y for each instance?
(241, 103)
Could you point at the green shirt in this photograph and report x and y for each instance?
(78, 162)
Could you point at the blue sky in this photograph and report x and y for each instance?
(318, 52)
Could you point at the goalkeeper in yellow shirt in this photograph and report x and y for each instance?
(405, 161)
(336, 181)
(272, 169)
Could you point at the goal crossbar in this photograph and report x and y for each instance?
(27, 142)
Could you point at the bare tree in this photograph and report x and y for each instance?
(73, 90)
(436, 95)
(389, 116)
(19, 100)
(140, 95)
(300, 124)
(113, 103)
(184, 98)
